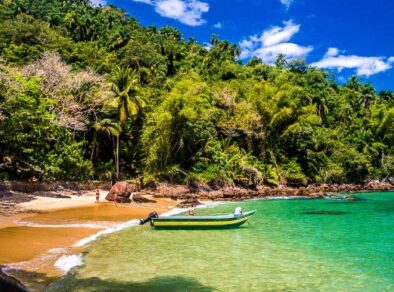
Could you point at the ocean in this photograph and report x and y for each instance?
(288, 245)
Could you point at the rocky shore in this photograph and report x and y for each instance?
(14, 193)
(180, 192)
(124, 192)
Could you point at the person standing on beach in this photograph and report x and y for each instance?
(97, 196)
(192, 211)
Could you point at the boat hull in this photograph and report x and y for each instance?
(201, 222)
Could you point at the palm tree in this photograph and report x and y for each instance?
(127, 102)
(106, 126)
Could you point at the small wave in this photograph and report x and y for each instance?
(211, 204)
(56, 250)
(109, 230)
(122, 226)
(70, 225)
(136, 222)
(67, 262)
(37, 262)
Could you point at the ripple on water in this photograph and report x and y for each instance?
(324, 212)
(282, 249)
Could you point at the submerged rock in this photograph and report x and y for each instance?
(352, 198)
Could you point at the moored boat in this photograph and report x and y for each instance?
(205, 222)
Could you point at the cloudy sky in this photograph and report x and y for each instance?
(344, 36)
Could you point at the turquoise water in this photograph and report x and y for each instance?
(315, 245)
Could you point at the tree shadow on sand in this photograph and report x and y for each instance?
(170, 283)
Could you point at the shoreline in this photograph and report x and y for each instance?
(69, 222)
(47, 229)
(24, 197)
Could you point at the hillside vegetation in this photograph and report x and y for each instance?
(88, 93)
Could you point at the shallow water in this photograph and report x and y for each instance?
(289, 245)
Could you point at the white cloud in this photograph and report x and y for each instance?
(287, 3)
(96, 3)
(364, 66)
(188, 12)
(218, 25)
(276, 34)
(292, 51)
(272, 42)
(144, 1)
(331, 52)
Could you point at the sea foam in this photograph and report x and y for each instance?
(67, 262)
(134, 222)
(109, 230)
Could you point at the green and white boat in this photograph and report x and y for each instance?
(201, 222)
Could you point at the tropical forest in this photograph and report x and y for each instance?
(87, 93)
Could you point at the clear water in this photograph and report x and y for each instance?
(291, 245)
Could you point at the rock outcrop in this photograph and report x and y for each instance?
(121, 192)
(179, 192)
(141, 199)
(191, 202)
(11, 284)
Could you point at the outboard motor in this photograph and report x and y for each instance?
(149, 218)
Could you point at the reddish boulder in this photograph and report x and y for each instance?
(121, 191)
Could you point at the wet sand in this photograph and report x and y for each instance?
(24, 243)
(32, 243)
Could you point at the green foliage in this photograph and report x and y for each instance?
(66, 161)
(293, 174)
(224, 163)
(87, 90)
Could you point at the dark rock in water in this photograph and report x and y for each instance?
(334, 197)
(121, 191)
(192, 202)
(324, 212)
(123, 200)
(11, 284)
(352, 198)
(140, 199)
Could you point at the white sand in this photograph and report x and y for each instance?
(46, 204)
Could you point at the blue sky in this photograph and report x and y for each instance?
(344, 36)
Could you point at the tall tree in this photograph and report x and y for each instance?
(127, 102)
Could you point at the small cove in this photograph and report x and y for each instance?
(288, 245)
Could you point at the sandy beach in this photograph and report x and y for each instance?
(32, 241)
